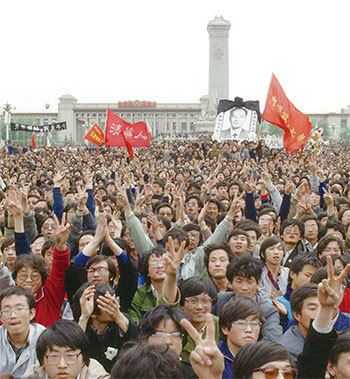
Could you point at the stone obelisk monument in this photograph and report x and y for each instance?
(218, 30)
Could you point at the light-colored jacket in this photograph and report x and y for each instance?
(193, 261)
(264, 290)
(94, 371)
(5, 278)
(28, 356)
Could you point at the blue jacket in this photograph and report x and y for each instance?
(226, 352)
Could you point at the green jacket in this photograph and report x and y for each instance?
(143, 301)
(190, 345)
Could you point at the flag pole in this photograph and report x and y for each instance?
(267, 95)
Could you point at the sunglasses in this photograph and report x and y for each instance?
(272, 373)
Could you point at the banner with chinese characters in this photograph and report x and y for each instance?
(236, 120)
(55, 127)
(119, 130)
(282, 113)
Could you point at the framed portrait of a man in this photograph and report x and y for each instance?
(236, 123)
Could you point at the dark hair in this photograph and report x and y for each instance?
(245, 266)
(108, 252)
(309, 217)
(336, 225)
(100, 290)
(268, 242)
(18, 291)
(162, 312)
(176, 233)
(6, 243)
(322, 273)
(137, 360)
(303, 259)
(196, 197)
(217, 202)
(293, 222)
(253, 356)
(266, 209)
(188, 227)
(300, 294)
(35, 261)
(239, 307)
(63, 333)
(48, 244)
(222, 246)
(103, 258)
(250, 225)
(195, 286)
(324, 241)
(163, 205)
(239, 232)
(158, 252)
(342, 345)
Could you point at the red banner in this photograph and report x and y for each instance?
(118, 131)
(95, 135)
(282, 113)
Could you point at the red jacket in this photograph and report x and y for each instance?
(49, 299)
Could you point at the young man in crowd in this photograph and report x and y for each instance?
(216, 260)
(18, 332)
(239, 242)
(244, 274)
(240, 324)
(304, 305)
(301, 271)
(63, 352)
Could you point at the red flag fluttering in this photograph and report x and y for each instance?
(281, 112)
(95, 135)
(121, 133)
(33, 141)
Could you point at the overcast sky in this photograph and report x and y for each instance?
(108, 51)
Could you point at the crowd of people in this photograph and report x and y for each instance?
(192, 260)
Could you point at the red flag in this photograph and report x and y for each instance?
(33, 141)
(282, 113)
(128, 146)
(95, 135)
(118, 131)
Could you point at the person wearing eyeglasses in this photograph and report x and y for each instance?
(161, 326)
(30, 270)
(263, 360)
(240, 324)
(292, 234)
(63, 352)
(19, 332)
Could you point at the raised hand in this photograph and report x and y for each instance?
(236, 204)
(87, 302)
(101, 228)
(173, 258)
(109, 304)
(330, 291)
(250, 185)
(289, 187)
(62, 232)
(123, 200)
(81, 197)
(206, 359)
(202, 213)
(57, 179)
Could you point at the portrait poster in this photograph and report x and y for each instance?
(236, 123)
